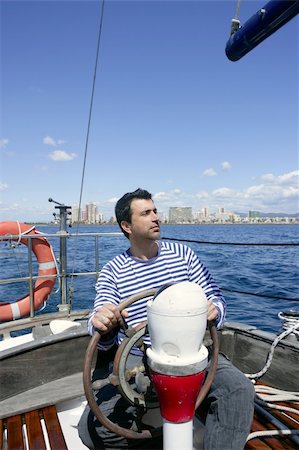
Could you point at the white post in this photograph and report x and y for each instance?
(177, 436)
(177, 319)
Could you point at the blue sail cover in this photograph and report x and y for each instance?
(261, 25)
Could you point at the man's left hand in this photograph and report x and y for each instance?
(212, 311)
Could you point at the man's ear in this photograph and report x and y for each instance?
(126, 226)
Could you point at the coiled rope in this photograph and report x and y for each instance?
(291, 329)
(266, 396)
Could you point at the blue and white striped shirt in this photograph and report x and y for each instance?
(125, 276)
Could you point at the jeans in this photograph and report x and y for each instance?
(229, 403)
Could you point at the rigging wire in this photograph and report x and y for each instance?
(235, 23)
(237, 9)
(287, 244)
(291, 299)
(269, 244)
(71, 288)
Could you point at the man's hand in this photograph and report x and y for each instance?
(107, 318)
(212, 311)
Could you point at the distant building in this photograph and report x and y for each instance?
(100, 217)
(180, 214)
(161, 216)
(226, 216)
(89, 214)
(76, 214)
(253, 214)
(205, 212)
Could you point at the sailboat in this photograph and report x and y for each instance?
(47, 359)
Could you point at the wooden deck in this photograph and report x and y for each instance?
(28, 428)
(272, 419)
(34, 428)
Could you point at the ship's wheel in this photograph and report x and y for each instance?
(121, 376)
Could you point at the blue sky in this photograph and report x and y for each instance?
(171, 113)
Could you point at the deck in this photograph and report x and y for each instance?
(33, 430)
(266, 420)
(40, 429)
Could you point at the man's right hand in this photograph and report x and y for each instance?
(107, 318)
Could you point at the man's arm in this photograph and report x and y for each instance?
(105, 316)
(199, 274)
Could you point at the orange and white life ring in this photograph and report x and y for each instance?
(47, 266)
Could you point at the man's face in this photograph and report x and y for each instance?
(144, 220)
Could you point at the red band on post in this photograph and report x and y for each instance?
(177, 395)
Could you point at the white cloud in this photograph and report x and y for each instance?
(202, 195)
(163, 196)
(3, 186)
(112, 200)
(49, 141)
(274, 194)
(224, 192)
(3, 142)
(160, 196)
(61, 155)
(226, 165)
(209, 172)
(287, 178)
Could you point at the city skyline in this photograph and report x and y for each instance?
(171, 114)
(90, 214)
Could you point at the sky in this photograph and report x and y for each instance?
(170, 113)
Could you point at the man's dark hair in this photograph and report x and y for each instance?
(123, 206)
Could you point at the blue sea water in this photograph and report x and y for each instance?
(272, 271)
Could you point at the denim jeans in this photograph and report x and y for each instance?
(229, 403)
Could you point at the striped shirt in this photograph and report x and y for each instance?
(125, 276)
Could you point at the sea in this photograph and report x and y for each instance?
(257, 281)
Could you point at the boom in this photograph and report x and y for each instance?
(261, 25)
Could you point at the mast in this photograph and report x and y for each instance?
(64, 211)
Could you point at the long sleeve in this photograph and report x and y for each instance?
(199, 274)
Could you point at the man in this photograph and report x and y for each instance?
(151, 263)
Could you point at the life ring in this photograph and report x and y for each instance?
(47, 266)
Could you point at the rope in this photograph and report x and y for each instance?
(237, 10)
(13, 245)
(292, 299)
(263, 405)
(245, 244)
(56, 266)
(266, 244)
(288, 322)
(235, 23)
(257, 434)
(281, 336)
(266, 396)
